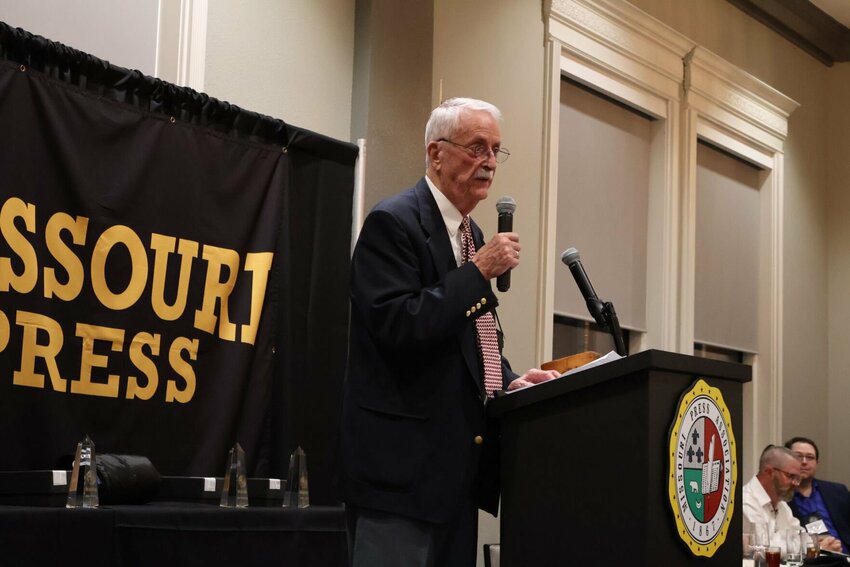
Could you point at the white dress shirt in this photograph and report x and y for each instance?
(451, 217)
(759, 510)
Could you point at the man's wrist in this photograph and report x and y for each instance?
(481, 270)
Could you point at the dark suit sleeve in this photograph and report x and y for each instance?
(837, 499)
(403, 299)
(508, 375)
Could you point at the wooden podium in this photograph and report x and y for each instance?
(585, 464)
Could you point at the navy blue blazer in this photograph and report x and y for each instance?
(414, 426)
(837, 499)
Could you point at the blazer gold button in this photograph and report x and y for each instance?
(468, 312)
(483, 301)
(478, 306)
(478, 440)
(472, 309)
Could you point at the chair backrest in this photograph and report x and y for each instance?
(491, 555)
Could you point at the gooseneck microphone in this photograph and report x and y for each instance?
(506, 207)
(571, 258)
(603, 312)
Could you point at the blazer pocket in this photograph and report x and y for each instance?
(393, 449)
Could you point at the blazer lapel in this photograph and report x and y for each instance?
(437, 239)
(436, 236)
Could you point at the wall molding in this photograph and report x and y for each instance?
(620, 51)
(192, 56)
(616, 49)
(744, 116)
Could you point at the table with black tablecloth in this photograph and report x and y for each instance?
(164, 533)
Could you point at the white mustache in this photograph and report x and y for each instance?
(485, 174)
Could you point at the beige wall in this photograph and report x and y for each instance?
(392, 92)
(513, 79)
(292, 60)
(98, 27)
(816, 233)
(838, 174)
(297, 60)
(497, 54)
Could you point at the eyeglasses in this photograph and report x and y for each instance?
(811, 458)
(794, 478)
(480, 151)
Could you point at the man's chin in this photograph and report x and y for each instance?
(481, 188)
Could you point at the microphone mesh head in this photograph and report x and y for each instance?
(569, 256)
(506, 205)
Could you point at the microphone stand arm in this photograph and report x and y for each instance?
(597, 310)
(613, 325)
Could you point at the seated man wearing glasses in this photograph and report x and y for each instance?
(820, 505)
(766, 495)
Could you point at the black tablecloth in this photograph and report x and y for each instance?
(181, 534)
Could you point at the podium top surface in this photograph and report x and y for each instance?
(657, 360)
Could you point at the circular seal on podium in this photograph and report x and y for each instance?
(703, 469)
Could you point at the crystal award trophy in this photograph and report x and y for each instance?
(235, 491)
(297, 493)
(82, 490)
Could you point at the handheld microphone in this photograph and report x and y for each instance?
(506, 207)
(571, 258)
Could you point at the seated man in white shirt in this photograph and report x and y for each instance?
(766, 495)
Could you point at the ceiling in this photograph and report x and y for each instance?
(839, 10)
(820, 27)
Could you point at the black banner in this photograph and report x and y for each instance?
(148, 239)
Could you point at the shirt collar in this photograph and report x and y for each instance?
(760, 494)
(451, 216)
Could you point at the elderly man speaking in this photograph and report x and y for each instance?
(419, 455)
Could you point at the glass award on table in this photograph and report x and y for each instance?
(297, 493)
(82, 490)
(234, 494)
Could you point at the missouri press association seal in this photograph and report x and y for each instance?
(703, 469)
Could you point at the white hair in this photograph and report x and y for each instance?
(445, 119)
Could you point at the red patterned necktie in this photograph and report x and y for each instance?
(485, 325)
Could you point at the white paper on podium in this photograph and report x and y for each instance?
(610, 357)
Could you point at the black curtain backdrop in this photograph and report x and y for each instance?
(112, 182)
